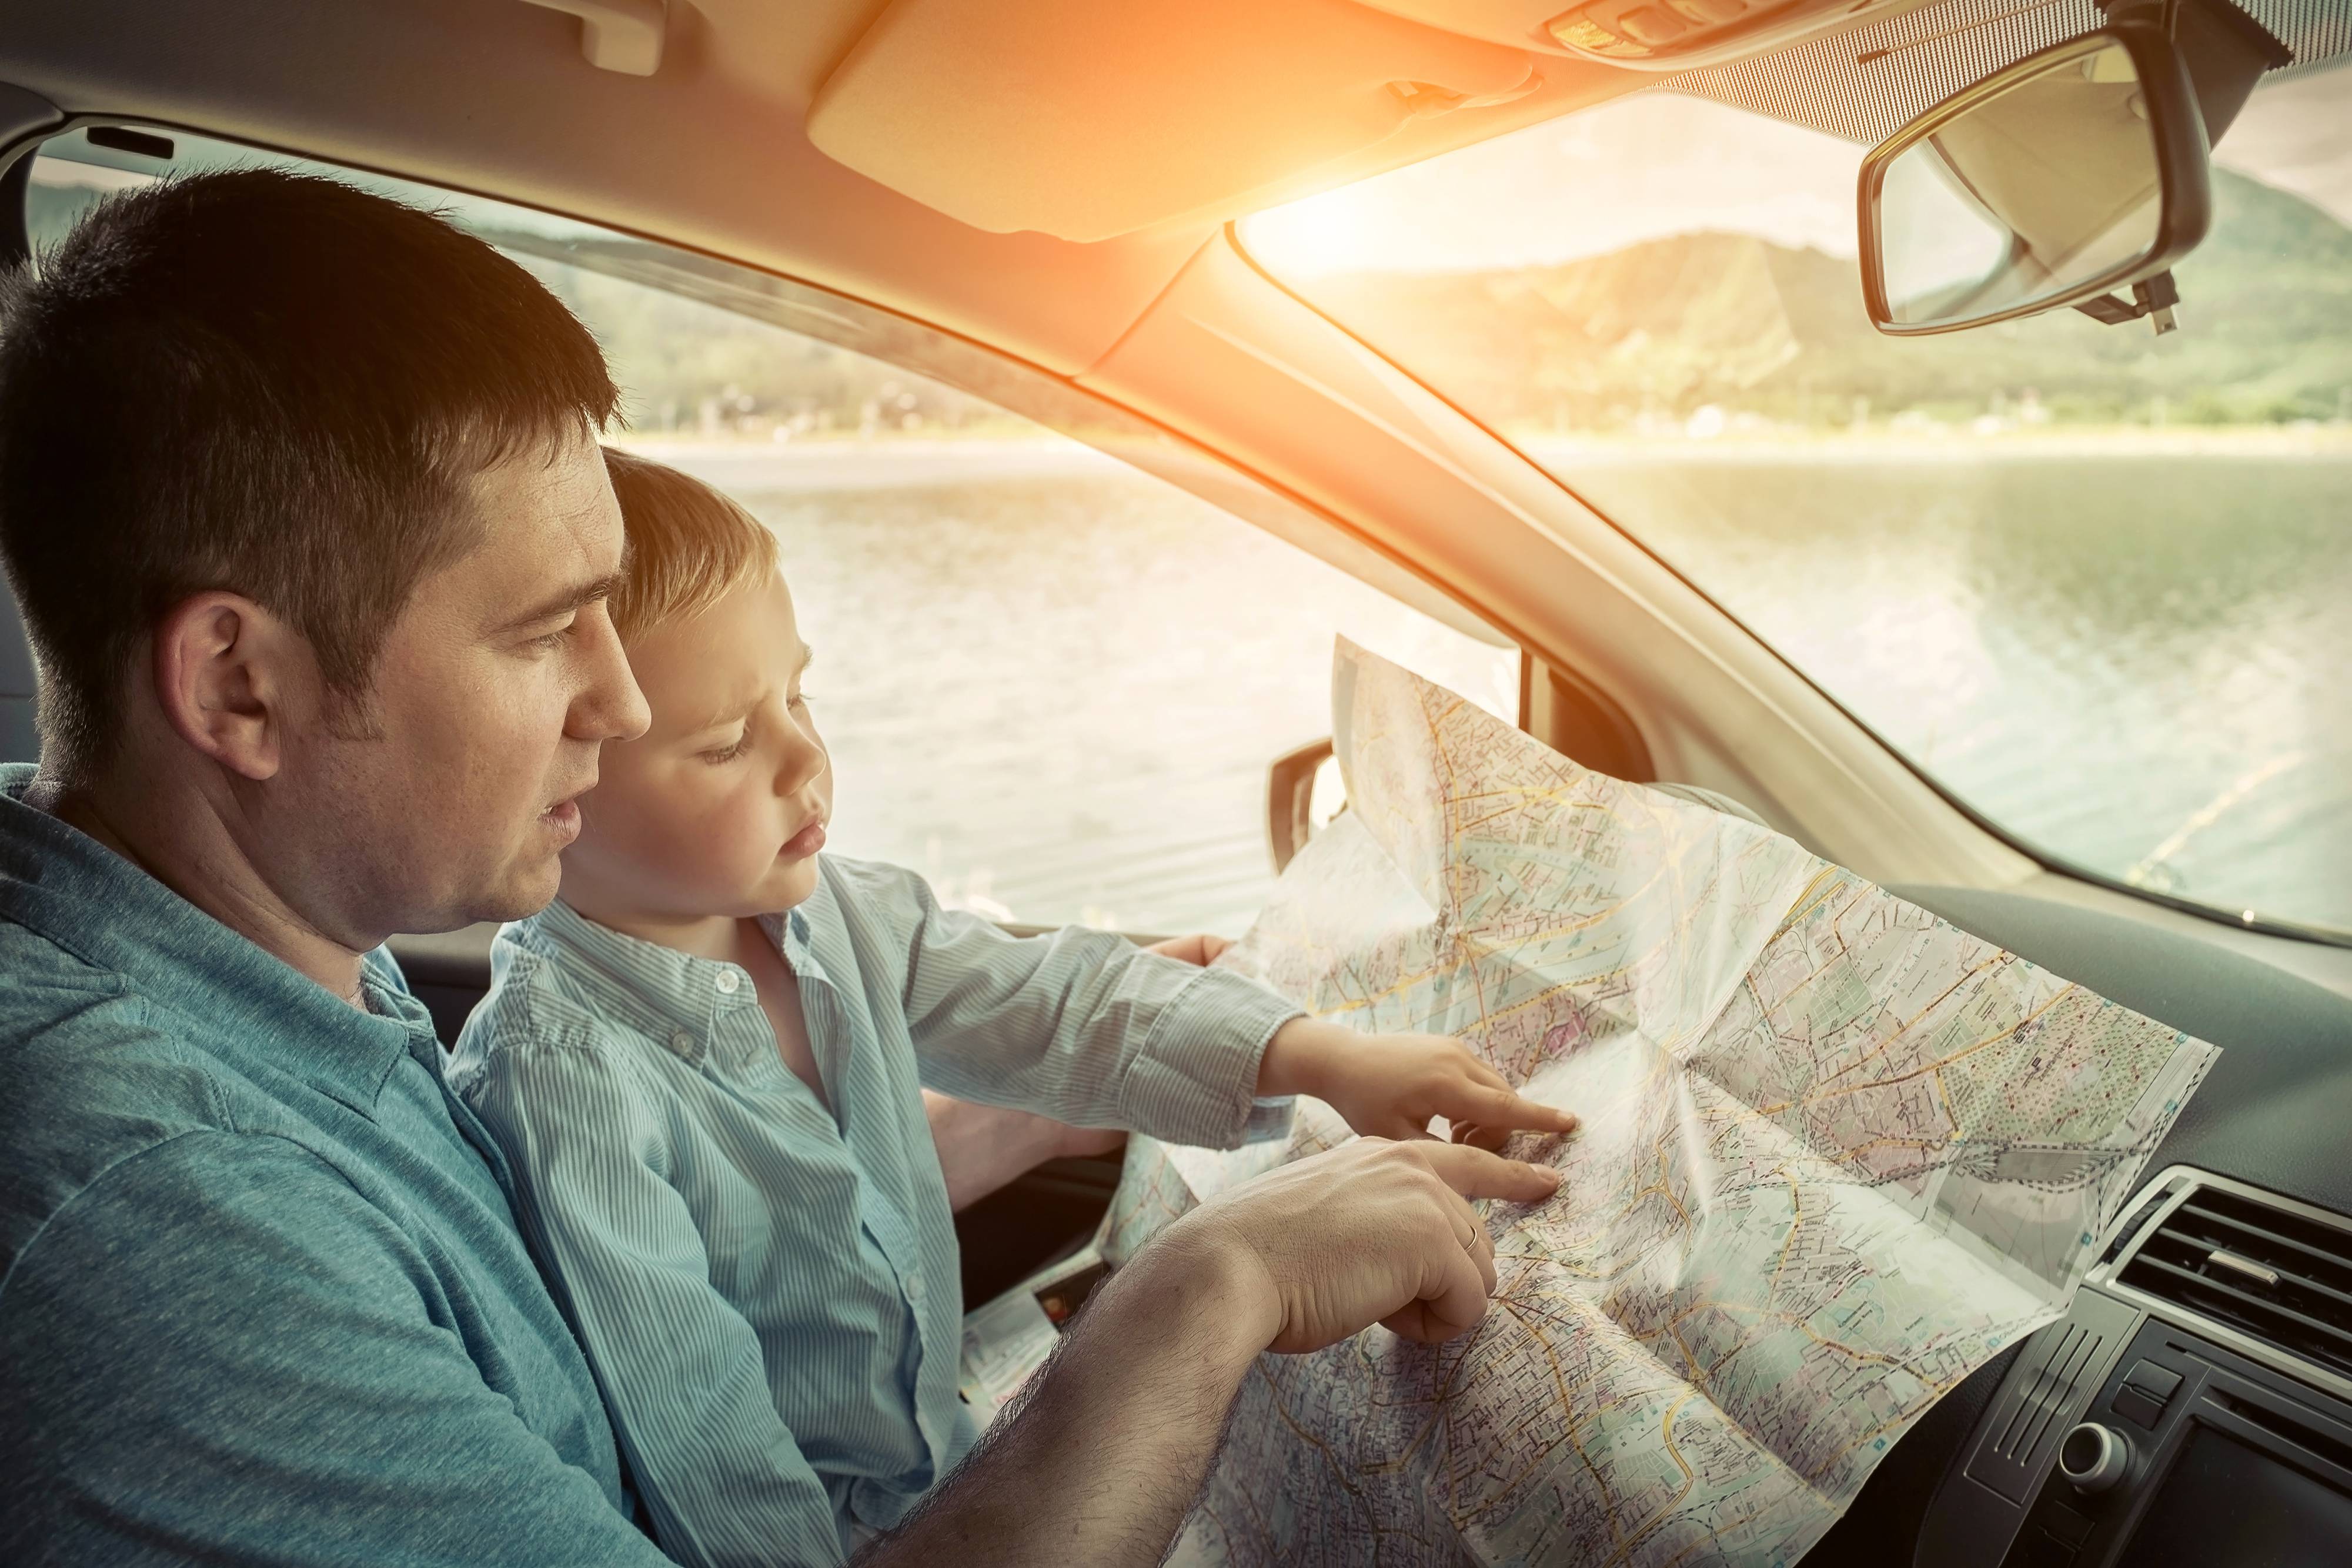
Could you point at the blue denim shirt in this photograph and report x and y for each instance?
(765, 1280)
(262, 1296)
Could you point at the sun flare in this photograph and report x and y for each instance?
(1335, 232)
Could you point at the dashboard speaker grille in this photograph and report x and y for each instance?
(2055, 1380)
(2045, 1392)
(2275, 1275)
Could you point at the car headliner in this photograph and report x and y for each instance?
(711, 151)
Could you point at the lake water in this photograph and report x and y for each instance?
(1053, 684)
(2134, 660)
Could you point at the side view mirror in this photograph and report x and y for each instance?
(1303, 791)
(2078, 170)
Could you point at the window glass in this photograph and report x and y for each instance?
(2091, 580)
(1052, 680)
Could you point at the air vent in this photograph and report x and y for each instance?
(2277, 1275)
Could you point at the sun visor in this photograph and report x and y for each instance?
(1090, 119)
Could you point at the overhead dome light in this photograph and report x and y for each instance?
(1675, 35)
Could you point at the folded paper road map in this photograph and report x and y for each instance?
(1835, 1154)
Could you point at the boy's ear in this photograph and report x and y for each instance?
(225, 671)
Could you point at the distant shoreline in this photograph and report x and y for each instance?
(836, 462)
(1953, 444)
(819, 462)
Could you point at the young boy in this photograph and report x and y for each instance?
(705, 1063)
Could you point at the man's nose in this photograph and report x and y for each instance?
(610, 706)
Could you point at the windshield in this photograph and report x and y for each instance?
(2093, 583)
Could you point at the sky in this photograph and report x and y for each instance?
(1657, 163)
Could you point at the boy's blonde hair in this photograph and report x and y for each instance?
(688, 545)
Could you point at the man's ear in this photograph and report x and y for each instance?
(225, 670)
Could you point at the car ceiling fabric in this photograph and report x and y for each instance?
(1865, 84)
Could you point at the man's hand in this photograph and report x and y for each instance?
(1372, 1231)
(1389, 1085)
(1105, 1449)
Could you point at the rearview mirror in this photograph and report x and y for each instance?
(2081, 169)
(2077, 170)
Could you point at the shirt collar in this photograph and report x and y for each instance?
(673, 996)
(233, 998)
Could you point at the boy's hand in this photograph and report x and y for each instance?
(1389, 1085)
(1198, 948)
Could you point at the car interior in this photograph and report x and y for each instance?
(1128, 230)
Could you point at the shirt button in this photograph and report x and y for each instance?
(915, 1289)
(680, 1039)
(727, 982)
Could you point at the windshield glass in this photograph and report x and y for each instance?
(2092, 581)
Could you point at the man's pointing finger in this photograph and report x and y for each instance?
(1475, 1172)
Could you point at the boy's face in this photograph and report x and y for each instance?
(721, 807)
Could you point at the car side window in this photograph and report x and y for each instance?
(1052, 681)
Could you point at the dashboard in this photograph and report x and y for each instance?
(2194, 1405)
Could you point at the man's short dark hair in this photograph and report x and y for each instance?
(265, 382)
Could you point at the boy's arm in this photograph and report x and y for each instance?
(982, 1148)
(680, 1368)
(1082, 1026)
(219, 1352)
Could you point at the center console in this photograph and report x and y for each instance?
(2194, 1406)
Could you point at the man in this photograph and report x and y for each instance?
(301, 496)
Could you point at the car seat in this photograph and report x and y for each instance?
(19, 742)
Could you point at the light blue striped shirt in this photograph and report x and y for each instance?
(768, 1289)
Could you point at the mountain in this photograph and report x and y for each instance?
(1668, 326)
(1661, 329)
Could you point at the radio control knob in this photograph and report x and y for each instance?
(2094, 1458)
